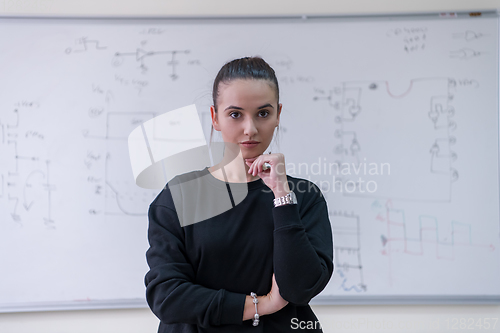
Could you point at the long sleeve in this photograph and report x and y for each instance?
(170, 291)
(303, 249)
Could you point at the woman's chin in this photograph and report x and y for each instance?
(251, 154)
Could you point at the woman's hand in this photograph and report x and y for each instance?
(276, 302)
(275, 177)
(268, 304)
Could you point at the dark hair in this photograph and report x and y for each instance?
(247, 68)
(244, 68)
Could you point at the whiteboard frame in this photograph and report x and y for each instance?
(317, 301)
(138, 303)
(192, 19)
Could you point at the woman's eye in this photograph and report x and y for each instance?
(263, 114)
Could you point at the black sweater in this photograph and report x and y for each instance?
(200, 273)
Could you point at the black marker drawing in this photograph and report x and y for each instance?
(140, 56)
(25, 184)
(468, 35)
(413, 128)
(465, 54)
(347, 246)
(413, 38)
(84, 43)
(121, 195)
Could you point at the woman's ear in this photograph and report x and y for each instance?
(279, 113)
(215, 122)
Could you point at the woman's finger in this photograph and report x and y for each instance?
(254, 169)
(257, 163)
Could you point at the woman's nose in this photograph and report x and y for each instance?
(249, 127)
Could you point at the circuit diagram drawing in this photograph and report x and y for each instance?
(409, 132)
(141, 55)
(109, 171)
(426, 236)
(26, 187)
(468, 35)
(465, 53)
(85, 45)
(347, 246)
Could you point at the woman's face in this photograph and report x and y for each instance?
(247, 111)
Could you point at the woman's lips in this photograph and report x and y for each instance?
(249, 145)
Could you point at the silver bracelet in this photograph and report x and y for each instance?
(256, 316)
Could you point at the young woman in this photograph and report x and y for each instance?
(253, 266)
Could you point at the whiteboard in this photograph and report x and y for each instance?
(407, 105)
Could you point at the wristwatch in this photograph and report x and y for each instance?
(288, 199)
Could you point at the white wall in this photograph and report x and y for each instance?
(333, 318)
(232, 7)
(338, 319)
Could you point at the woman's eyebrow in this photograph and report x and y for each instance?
(266, 106)
(233, 107)
(238, 108)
